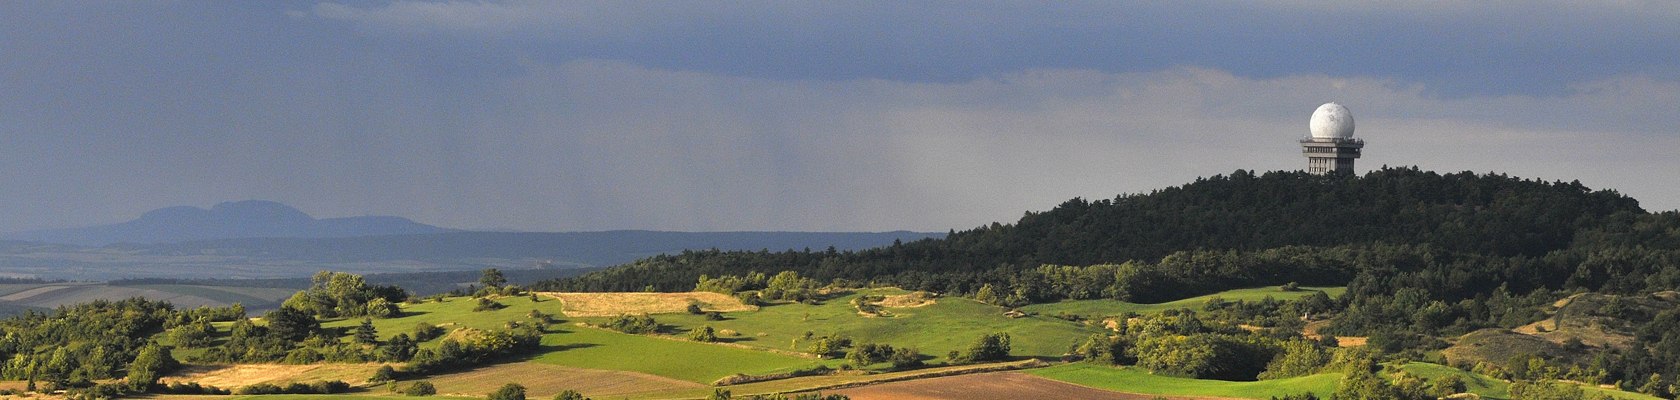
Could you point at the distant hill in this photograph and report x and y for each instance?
(259, 258)
(1495, 215)
(603, 248)
(239, 219)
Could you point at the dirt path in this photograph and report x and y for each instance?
(987, 386)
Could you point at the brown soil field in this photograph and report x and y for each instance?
(987, 386)
(544, 381)
(236, 375)
(613, 304)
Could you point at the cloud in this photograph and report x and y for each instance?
(1455, 48)
(791, 116)
(620, 145)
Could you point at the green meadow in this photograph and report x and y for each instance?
(950, 324)
(1137, 380)
(1107, 307)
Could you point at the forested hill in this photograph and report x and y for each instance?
(1460, 213)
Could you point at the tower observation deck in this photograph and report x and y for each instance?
(1331, 148)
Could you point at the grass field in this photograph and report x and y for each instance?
(949, 324)
(1095, 309)
(543, 381)
(1135, 380)
(581, 347)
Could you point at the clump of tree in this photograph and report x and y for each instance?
(320, 387)
(825, 346)
(989, 347)
(635, 324)
(340, 294)
(867, 354)
(731, 284)
(472, 347)
(788, 285)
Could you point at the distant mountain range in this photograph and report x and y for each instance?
(265, 239)
(230, 220)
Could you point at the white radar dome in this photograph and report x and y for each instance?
(1331, 121)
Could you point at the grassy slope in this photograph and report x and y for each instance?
(581, 347)
(1482, 385)
(951, 324)
(1106, 307)
(1135, 380)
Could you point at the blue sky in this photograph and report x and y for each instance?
(776, 115)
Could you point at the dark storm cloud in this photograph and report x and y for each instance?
(795, 116)
(1459, 48)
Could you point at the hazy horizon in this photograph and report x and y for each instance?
(789, 116)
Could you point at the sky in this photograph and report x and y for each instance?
(798, 116)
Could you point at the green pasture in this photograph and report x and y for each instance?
(1107, 307)
(950, 324)
(1137, 380)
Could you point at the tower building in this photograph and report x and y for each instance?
(1331, 148)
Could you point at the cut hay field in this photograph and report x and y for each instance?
(1096, 309)
(935, 329)
(615, 304)
(237, 375)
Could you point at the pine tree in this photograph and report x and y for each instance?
(365, 334)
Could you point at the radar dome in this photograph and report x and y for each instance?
(1331, 121)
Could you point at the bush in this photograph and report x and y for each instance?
(485, 304)
(511, 391)
(703, 334)
(990, 347)
(569, 394)
(384, 374)
(420, 388)
(635, 324)
(425, 331)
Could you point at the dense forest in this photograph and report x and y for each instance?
(1452, 215)
(1425, 256)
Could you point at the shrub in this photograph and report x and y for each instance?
(420, 388)
(384, 374)
(636, 324)
(703, 334)
(485, 304)
(989, 347)
(569, 394)
(511, 391)
(425, 331)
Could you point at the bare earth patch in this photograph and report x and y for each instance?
(546, 380)
(986, 386)
(237, 375)
(1311, 332)
(909, 300)
(613, 304)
